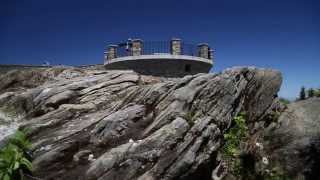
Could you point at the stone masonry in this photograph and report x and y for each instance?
(136, 47)
(112, 52)
(204, 50)
(168, 60)
(176, 47)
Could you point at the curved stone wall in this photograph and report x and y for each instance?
(161, 65)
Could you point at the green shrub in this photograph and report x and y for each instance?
(234, 136)
(20, 140)
(276, 173)
(14, 157)
(272, 117)
(231, 149)
(189, 117)
(241, 162)
(284, 101)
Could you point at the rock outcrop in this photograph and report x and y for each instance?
(122, 125)
(295, 140)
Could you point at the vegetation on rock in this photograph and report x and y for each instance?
(309, 93)
(284, 101)
(189, 117)
(233, 138)
(246, 158)
(15, 158)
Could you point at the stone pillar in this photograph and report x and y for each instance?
(112, 52)
(175, 47)
(105, 56)
(203, 50)
(211, 53)
(137, 47)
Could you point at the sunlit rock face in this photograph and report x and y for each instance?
(89, 124)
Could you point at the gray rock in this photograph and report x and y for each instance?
(61, 98)
(117, 124)
(139, 127)
(296, 140)
(82, 156)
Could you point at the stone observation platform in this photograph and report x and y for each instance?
(160, 58)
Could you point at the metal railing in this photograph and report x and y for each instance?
(156, 47)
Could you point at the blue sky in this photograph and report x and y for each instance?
(279, 34)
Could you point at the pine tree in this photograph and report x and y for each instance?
(317, 93)
(302, 93)
(310, 93)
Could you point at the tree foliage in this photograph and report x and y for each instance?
(302, 93)
(310, 93)
(317, 92)
(284, 101)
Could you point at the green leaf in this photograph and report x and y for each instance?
(26, 163)
(16, 165)
(20, 140)
(6, 177)
(12, 157)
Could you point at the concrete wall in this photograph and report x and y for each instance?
(162, 67)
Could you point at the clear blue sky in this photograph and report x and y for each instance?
(280, 34)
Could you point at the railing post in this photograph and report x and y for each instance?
(137, 47)
(203, 50)
(112, 52)
(175, 46)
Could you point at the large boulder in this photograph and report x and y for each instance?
(295, 141)
(122, 125)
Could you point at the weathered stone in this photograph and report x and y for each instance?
(295, 143)
(138, 127)
(203, 50)
(176, 48)
(112, 52)
(136, 47)
(82, 157)
(117, 124)
(61, 98)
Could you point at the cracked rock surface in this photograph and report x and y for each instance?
(120, 125)
(296, 140)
